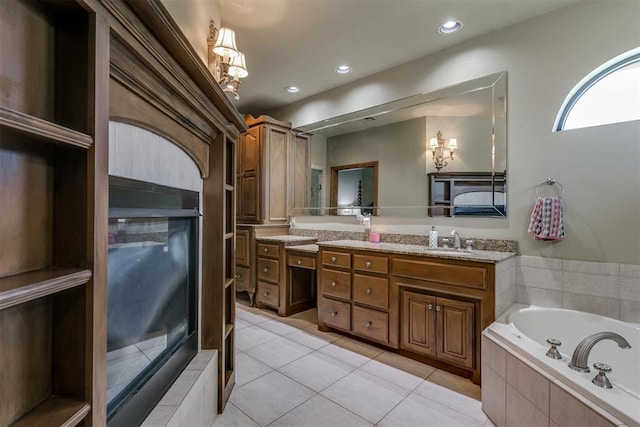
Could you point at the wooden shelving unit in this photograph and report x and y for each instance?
(54, 179)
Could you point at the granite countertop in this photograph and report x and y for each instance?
(491, 257)
(286, 239)
(311, 248)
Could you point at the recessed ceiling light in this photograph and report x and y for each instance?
(292, 89)
(343, 69)
(450, 27)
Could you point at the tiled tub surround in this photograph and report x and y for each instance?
(522, 386)
(608, 289)
(192, 399)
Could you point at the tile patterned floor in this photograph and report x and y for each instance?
(290, 374)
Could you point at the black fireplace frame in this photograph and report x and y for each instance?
(130, 198)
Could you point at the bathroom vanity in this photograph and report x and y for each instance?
(430, 305)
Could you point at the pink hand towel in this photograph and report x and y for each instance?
(547, 219)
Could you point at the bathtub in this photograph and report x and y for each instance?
(525, 330)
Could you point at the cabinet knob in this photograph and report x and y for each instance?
(299, 262)
(430, 306)
(333, 284)
(368, 264)
(266, 250)
(238, 276)
(368, 325)
(438, 308)
(266, 269)
(266, 294)
(333, 259)
(334, 314)
(368, 291)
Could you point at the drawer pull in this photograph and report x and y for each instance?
(368, 291)
(334, 314)
(368, 325)
(333, 259)
(368, 264)
(266, 294)
(299, 262)
(430, 306)
(438, 308)
(266, 270)
(237, 276)
(333, 284)
(266, 250)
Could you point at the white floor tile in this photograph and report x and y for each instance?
(316, 370)
(278, 327)
(269, 397)
(252, 336)
(248, 369)
(366, 395)
(233, 417)
(451, 399)
(416, 411)
(320, 412)
(278, 352)
(393, 375)
(344, 355)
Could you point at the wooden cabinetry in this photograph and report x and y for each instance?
(355, 295)
(430, 308)
(437, 327)
(271, 158)
(280, 288)
(246, 254)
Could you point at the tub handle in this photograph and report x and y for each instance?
(601, 379)
(553, 351)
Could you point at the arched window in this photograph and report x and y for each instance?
(609, 94)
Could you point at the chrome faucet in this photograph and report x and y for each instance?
(456, 240)
(579, 360)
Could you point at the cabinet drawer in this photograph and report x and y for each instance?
(370, 324)
(374, 264)
(268, 269)
(372, 291)
(301, 261)
(268, 294)
(267, 250)
(336, 283)
(453, 274)
(336, 259)
(242, 278)
(334, 313)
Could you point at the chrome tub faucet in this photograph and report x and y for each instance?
(579, 360)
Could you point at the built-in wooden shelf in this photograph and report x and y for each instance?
(228, 187)
(228, 283)
(43, 129)
(25, 287)
(229, 235)
(55, 411)
(227, 329)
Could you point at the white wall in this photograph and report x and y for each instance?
(545, 57)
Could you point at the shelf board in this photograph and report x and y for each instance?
(25, 287)
(228, 187)
(229, 235)
(228, 282)
(227, 329)
(55, 411)
(43, 129)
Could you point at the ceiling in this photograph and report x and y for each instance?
(301, 42)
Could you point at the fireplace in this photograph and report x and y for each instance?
(151, 294)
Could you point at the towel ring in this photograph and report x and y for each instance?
(550, 181)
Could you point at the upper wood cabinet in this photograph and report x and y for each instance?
(270, 156)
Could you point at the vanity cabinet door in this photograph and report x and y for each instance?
(455, 331)
(418, 325)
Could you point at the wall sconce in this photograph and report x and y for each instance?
(226, 62)
(438, 150)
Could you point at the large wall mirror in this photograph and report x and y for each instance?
(438, 154)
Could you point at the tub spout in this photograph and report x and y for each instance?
(579, 360)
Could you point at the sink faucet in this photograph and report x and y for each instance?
(456, 240)
(579, 360)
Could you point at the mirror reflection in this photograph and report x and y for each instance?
(436, 154)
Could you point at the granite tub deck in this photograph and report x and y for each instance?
(492, 257)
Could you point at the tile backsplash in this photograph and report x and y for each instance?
(608, 289)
